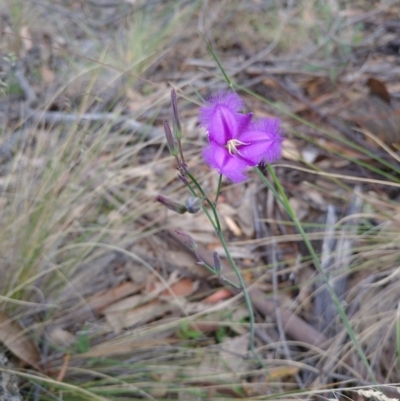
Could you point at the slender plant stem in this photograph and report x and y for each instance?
(181, 151)
(218, 189)
(246, 295)
(282, 198)
(215, 224)
(247, 299)
(207, 199)
(346, 142)
(210, 269)
(211, 50)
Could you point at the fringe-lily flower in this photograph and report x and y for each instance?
(235, 142)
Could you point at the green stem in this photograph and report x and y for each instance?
(211, 50)
(247, 299)
(207, 199)
(217, 227)
(213, 271)
(218, 189)
(283, 200)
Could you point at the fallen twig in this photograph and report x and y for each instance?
(31, 115)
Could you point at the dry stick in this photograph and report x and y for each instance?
(32, 115)
(343, 256)
(322, 305)
(278, 310)
(55, 117)
(345, 244)
(283, 200)
(261, 231)
(334, 263)
(8, 147)
(30, 95)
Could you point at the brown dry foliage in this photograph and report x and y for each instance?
(86, 244)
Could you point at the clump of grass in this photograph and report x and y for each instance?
(72, 193)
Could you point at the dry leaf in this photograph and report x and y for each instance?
(253, 389)
(122, 347)
(236, 231)
(231, 358)
(179, 258)
(270, 82)
(300, 207)
(137, 272)
(16, 339)
(161, 389)
(310, 154)
(26, 38)
(316, 87)
(105, 298)
(197, 225)
(281, 372)
(311, 195)
(123, 319)
(290, 150)
(182, 288)
(219, 295)
(375, 114)
(61, 338)
(378, 117)
(245, 212)
(125, 304)
(378, 88)
(48, 75)
(233, 353)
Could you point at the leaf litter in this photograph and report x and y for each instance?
(330, 86)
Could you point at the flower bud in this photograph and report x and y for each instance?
(171, 204)
(182, 166)
(183, 179)
(187, 240)
(176, 122)
(171, 142)
(193, 204)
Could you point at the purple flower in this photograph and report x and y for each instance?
(235, 142)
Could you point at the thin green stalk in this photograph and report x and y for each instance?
(326, 132)
(213, 271)
(218, 189)
(207, 199)
(282, 198)
(210, 49)
(216, 225)
(235, 269)
(368, 166)
(246, 295)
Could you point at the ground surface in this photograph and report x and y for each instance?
(100, 298)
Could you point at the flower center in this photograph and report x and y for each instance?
(232, 145)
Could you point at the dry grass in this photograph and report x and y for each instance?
(117, 307)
